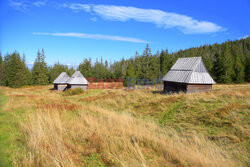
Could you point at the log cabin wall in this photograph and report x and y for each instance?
(172, 87)
(84, 87)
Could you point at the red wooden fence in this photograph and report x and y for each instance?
(106, 85)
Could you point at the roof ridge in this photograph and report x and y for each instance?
(197, 63)
(62, 78)
(77, 78)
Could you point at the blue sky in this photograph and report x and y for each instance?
(70, 31)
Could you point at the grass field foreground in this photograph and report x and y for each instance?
(40, 127)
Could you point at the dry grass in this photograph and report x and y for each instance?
(120, 139)
(131, 128)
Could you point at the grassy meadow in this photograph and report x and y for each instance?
(41, 127)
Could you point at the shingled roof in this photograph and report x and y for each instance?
(77, 79)
(62, 78)
(189, 70)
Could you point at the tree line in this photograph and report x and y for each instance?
(15, 73)
(228, 62)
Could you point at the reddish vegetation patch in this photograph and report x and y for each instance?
(100, 84)
(57, 106)
(106, 85)
(65, 101)
(93, 98)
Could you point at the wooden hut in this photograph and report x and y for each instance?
(60, 83)
(77, 80)
(188, 75)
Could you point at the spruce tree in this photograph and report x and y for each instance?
(15, 73)
(130, 74)
(227, 63)
(40, 74)
(239, 70)
(239, 61)
(218, 68)
(156, 65)
(147, 65)
(207, 58)
(108, 74)
(85, 68)
(163, 63)
(130, 70)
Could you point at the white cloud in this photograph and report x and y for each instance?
(160, 18)
(77, 7)
(95, 36)
(18, 5)
(40, 3)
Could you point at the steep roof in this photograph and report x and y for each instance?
(62, 78)
(189, 70)
(77, 79)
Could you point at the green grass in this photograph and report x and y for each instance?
(169, 115)
(93, 160)
(4, 133)
(11, 137)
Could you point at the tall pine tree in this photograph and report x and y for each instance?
(163, 62)
(227, 63)
(40, 74)
(85, 68)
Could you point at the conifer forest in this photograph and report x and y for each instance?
(228, 62)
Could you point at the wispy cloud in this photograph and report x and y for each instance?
(160, 18)
(78, 7)
(94, 36)
(19, 5)
(23, 5)
(40, 3)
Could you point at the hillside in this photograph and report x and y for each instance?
(40, 127)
